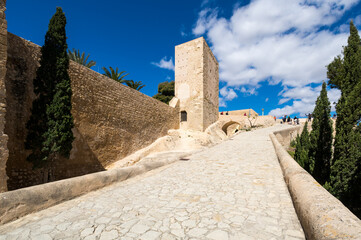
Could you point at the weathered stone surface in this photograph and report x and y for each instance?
(322, 215)
(196, 84)
(3, 136)
(17, 203)
(233, 190)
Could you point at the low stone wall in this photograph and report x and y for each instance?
(285, 137)
(18, 203)
(322, 216)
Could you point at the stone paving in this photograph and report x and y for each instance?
(234, 190)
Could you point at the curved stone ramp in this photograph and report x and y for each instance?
(322, 216)
(234, 190)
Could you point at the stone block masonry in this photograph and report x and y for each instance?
(3, 136)
(116, 120)
(196, 84)
(111, 119)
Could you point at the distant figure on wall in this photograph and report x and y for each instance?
(284, 118)
(295, 120)
(245, 114)
(227, 113)
(222, 113)
(309, 116)
(289, 120)
(274, 118)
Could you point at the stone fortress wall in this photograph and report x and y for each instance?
(196, 84)
(111, 119)
(3, 136)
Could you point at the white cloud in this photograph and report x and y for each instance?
(206, 18)
(204, 2)
(266, 100)
(276, 42)
(183, 31)
(283, 100)
(228, 94)
(358, 20)
(164, 63)
(304, 100)
(248, 90)
(222, 103)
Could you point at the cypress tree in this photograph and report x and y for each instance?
(345, 74)
(49, 127)
(321, 138)
(297, 155)
(302, 149)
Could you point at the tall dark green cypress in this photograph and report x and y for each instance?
(345, 74)
(302, 149)
(321, 138)
(49, 127)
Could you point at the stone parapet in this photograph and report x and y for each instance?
(322, 216)
(285, 137)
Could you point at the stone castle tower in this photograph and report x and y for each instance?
(196, 84)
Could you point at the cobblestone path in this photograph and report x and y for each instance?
(234, 190)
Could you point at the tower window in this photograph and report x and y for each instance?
(183, 116)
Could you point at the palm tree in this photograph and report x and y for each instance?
(119, 77)
(135, 85)
(81, 59)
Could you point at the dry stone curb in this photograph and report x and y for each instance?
(18, 203)
(322, 216)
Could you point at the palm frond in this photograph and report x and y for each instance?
(115, 75)
(135, 85)
(80, 58)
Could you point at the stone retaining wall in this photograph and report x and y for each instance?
(3, 136)
(111, 120)
(322, 215)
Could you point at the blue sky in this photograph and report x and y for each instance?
(272, 54)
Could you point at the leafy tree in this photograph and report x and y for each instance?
(49, 127)
(345, 74)
(165, 92)
(302, 149)
(80, 58)
(115, 75)
(135, 85)
(321, 138)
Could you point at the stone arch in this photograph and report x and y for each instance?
(227, 124)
